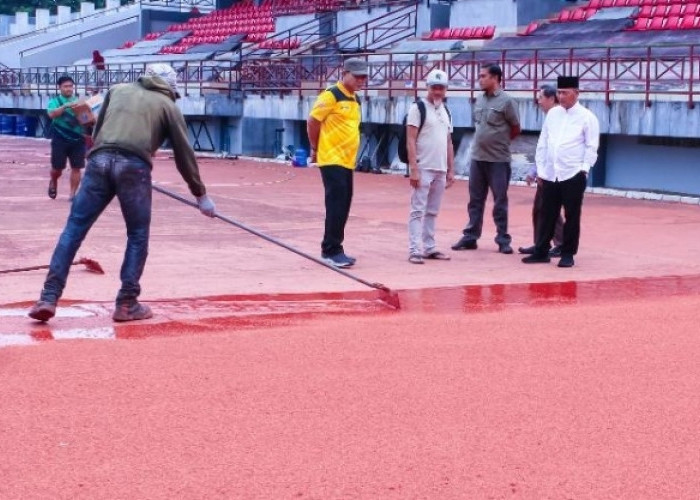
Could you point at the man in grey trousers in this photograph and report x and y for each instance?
(497, 123)
(431, 166)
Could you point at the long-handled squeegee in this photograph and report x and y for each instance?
(388, 296)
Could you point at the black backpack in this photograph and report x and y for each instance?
(403, 148)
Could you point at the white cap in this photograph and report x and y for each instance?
(437, 77)
(166, 72)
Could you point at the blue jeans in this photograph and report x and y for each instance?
(108, 174)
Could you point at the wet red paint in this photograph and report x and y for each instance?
(195, 316)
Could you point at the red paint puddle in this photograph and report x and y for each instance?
(479, 298)
(244, 312)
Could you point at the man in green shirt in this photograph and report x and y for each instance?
(67, 137)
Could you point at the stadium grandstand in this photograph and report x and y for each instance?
(250, 71)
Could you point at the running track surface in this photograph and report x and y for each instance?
(541, 383)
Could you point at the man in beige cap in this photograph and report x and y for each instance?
(134, 120)
(334, 135)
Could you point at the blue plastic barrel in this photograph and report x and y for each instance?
(7, 124)
(300, 158)
(26, 125)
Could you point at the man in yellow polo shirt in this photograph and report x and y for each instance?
(334, 134)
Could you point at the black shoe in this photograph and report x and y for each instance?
(555, 252)
(466, 243)
(566, 261)
(505, 249)
(536, 259)
(351, 259)
(527, 250)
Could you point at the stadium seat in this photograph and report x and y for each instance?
(607, 3)
(657, 23)
(675, 10)
(579, 15)
(531, 28)
(595, 4)
(688, 22)
(478, 33)
(640, 24)
(489, 32)
(565, 16)
(646, 11)
(672, 23)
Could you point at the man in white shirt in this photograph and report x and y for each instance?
(430, 164)
(566, 151)
(546, 100)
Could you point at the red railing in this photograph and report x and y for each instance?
(668, 72)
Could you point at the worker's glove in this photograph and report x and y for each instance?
(206, 205)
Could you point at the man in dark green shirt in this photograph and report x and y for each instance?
(134, 120)
(67, 137)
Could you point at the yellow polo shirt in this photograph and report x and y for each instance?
(340, 114)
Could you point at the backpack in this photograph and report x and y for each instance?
(403, 148)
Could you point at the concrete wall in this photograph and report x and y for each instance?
(81, 45)
(501, 13)
(631, 164)
(12, 51)
(284, 23)
(159, 20)
(532, 10)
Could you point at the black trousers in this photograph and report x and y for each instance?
(337, 182)
(569, 194)
(537, 217)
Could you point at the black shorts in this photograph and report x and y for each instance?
(63, 150)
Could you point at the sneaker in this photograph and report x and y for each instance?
(527, 250)
(42, 311)
(465, 243)
(351, 259)
(339, 260)
(132, 311)
(414, 258)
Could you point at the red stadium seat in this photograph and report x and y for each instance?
(672, 23)
(688, 23)
(529, 29)
(478, 33)
(489, 32)
(607, 3)
(579, 15)
(640, 24)
(657, 23)
(675, 10)
(633, 3)
(595, 4)
(646, 11)
(565, 16)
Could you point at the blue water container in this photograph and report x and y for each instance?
(7, 124)
(26, 125)
(300, 158)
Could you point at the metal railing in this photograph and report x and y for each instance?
(670, 72)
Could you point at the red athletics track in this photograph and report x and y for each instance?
(250, 383)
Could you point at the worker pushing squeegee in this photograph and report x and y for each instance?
(133, 122)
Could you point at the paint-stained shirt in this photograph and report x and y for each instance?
(66, 126)
(340, 114)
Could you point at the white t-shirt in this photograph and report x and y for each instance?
(431, 147)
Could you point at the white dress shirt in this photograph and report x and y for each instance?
(568, 143)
